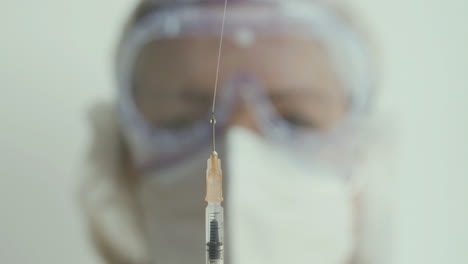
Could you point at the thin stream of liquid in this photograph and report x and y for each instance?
(213, 119)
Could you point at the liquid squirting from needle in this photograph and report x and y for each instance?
(214, 218)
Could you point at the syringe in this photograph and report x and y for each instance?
(214, 212)
(214, 184)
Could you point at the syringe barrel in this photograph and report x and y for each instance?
(214, 234)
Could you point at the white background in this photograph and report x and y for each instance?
(56, 59)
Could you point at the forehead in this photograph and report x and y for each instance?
(280, 61)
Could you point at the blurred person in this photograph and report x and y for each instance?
(294, 93)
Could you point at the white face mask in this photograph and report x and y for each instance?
(276, 212)
(282, 212)
(173, 207)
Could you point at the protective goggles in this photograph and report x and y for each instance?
(294, 71)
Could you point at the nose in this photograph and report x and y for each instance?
(244, 117)
(242, 85)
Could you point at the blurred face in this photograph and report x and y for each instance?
(174, 80)
(173, 88)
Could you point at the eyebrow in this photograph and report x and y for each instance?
(185, 94)
(195, 95)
